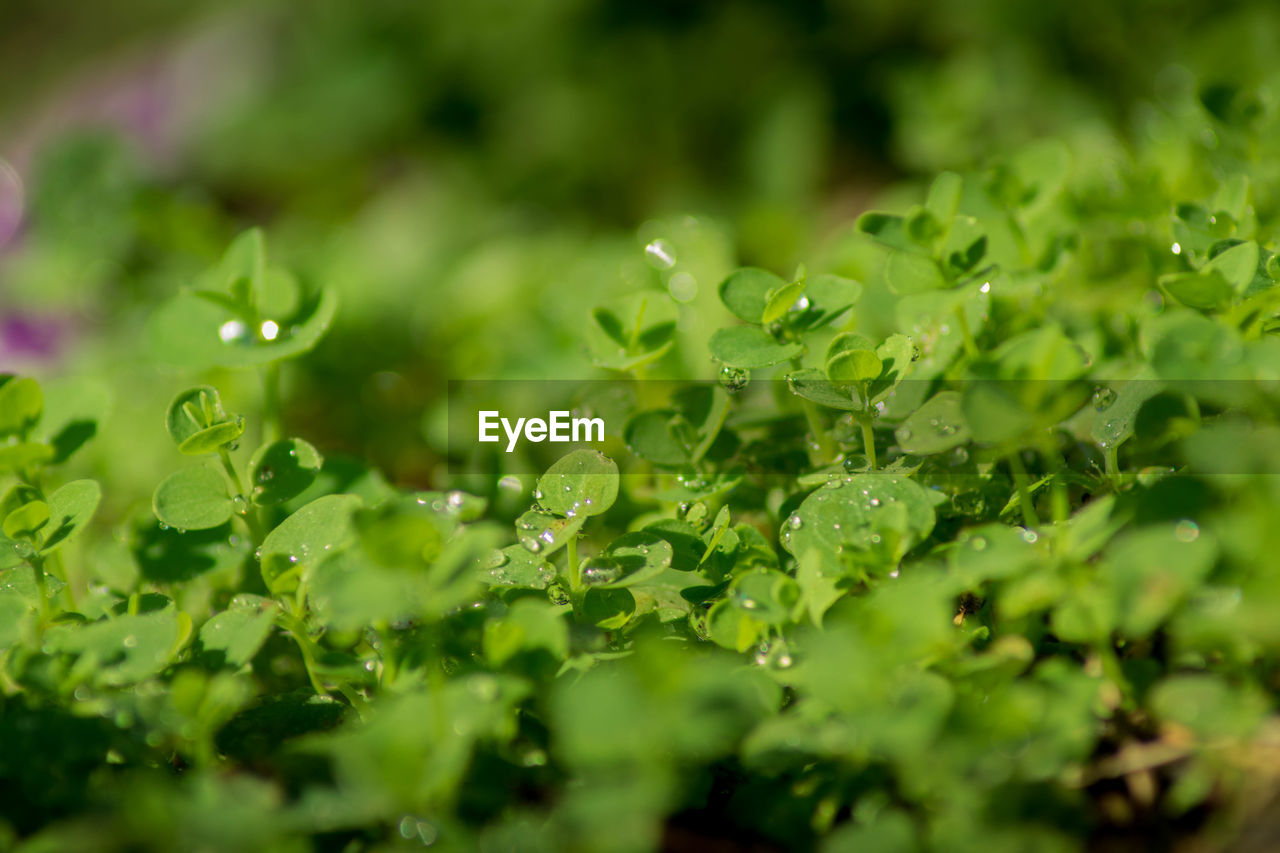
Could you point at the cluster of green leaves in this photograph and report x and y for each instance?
(959, 556)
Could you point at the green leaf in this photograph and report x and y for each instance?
(516, 566)
(651, 435)
(282, 469)
(832, 295)
(944, 196)
(851, 359)
(543, 534)
(232, 637)
(766, 595)
(1237, 266)
(746, 293)
(193, 499)
(21, 405)
(70, 508)
(750, 347)
(811, 384)
(584, 482)
(886, 228)
(631, 559)
(188, 331)
(125, 649)
(18, 457)
(528, 625)
(244, 262)
(854, 367)
(879, 515)
(26, 521)
(905, 272)
(779, 300)
(608, 608)
(1205, 291)
(197, 423)
(936, 427)
(404, 532)
(320, 527)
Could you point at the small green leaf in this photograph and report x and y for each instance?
(908, 273)
(750, 347)
(886, 228)
(851, 359)
(543, 534)
(21, 405)
(529, 625)
(321, 526)
(70, 507)
(608, 608)
(746, 293)
(193, 499)
(234, 636)
(944, 196)
(584, 482)
(651, 436)
(811, 384)
(1205, 291)
(282, 469)
(516, 565)
(631, 559)
(15, 458)
(935, 427)
(27, 520)
(198, 424)
(1237, 265)
(779, 300)
(188, 331)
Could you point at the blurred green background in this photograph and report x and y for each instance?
(473, 177)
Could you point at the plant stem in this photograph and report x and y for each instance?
(575, 570)
(37, 569)
(1111, 455)
(1020, 478)
(272, 430)
(868, 440)
(250, 513)
(298, 632)
(970, 346)
(1060, 500)
(826, 446)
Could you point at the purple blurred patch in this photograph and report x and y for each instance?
(27, 340)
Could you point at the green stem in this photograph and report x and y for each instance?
(970, 346)
(826, 445)
(868, 440)
(575, 570)
(299, 634)
(272, 429)
(1060, 500)
(249, 513)
(1111, 455)
(1020, 478)
(37, 569)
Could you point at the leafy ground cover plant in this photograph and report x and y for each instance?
(983, 565)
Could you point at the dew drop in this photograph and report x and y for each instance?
(660, 254)
(794, 522)
(1103, 398)
(232, 331)
(1186, 531)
